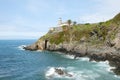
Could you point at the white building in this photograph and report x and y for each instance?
(58, 28)
(60, 23)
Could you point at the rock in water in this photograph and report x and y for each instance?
(59, 71)
(31, 47)
(62, 72)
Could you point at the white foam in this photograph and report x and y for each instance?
(85, 75)
(116, 76)
(104, 62)
(39, 50)
(76, 74)
(90, 75)
(51, 73)
(21, 47)
(84, 59)
(69, 56)
(109, 69)
(101, 63)
(105, 65)
(93, 61)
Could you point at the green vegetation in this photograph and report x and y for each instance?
(116, 19)
(57, 38)
(96, 33)
(69, 22)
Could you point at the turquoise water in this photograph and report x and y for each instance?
(18, 64)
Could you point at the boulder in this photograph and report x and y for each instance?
(97, 57)
(59, 71)
(32, 47)
(62, 72)
(39, 45)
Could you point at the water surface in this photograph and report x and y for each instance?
(18, 64)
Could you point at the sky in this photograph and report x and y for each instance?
(30, 19)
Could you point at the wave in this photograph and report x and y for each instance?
(104, 62)
(104, 65)
(39, 51)
(69, 56)
(72, 57)
(110, 69)
(52, 73)
(76, 74)
(21, 47)
(116, 76)
(84, 59)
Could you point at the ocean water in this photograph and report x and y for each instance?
(18, 64)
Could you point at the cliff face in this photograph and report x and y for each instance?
(99, 41)
(101, 34)
(39, 45)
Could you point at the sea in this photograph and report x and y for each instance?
(19, 64)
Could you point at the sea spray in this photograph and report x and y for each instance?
(68, 56)
(51, 73)
(84, 58)
(21, 47)
(76, 74)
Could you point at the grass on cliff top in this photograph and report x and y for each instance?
(94, 33)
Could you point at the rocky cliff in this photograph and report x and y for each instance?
(98, 41)
(82, 36)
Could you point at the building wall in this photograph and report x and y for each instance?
(58, 28)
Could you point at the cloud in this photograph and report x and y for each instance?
(105, 10)
(94, 18)
(110, 6)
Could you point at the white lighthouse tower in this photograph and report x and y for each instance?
(60, 21)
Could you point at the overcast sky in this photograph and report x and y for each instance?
(30, 19)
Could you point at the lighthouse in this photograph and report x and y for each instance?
(60, 21)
